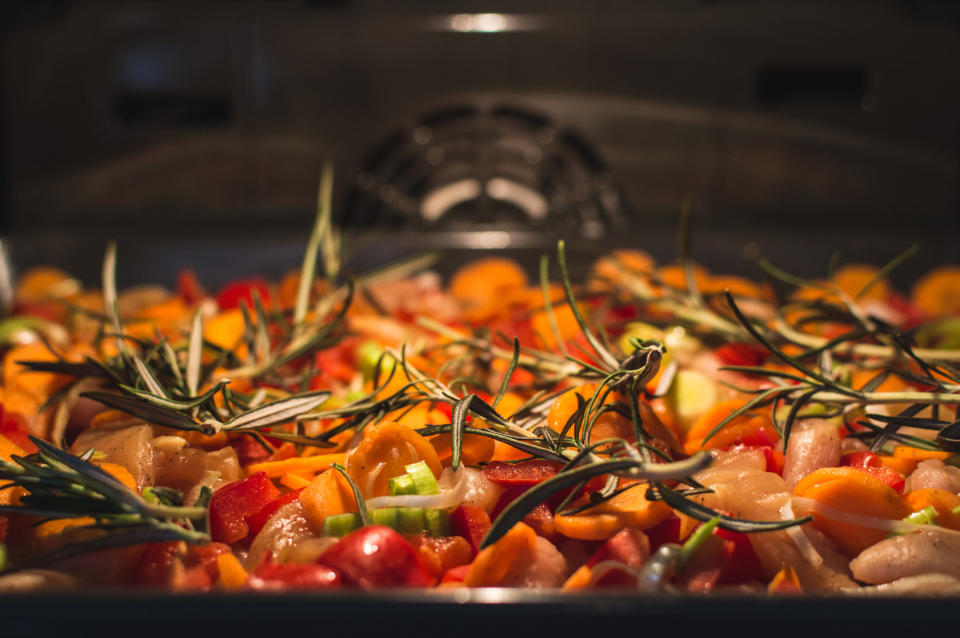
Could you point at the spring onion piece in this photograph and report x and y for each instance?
(384, 516)
(926, 516)
(424, 482)
(437, 522)
(339, 525)
(448, 498)
(4, 557)
(696, 540)
(410, 520)
(400, 485)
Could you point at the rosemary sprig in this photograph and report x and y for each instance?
(60, 485)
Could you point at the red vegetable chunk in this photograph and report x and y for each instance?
(233, 505)
(472, 522)
(273, 577)
(377, 556)
(242, 290)
(517, 474)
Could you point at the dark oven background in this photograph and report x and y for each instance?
(194, 132)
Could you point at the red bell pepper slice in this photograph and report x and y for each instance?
(232, 505)
(3, 528)
(189, 288)
(872, 464)
(741, 354)
(773, 456)
(233, 293)
(667, 531)
(743, 565)
(155, 567)
(702, 571)
(377, 556)
(271, 576)
(526, 473)
(472, 522)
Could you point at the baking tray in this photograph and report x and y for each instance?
(500, 611)
(467, 612)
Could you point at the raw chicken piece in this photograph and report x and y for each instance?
(545, 568)
(814, 443)
(123, 444)
(286, 528)
(929, 551)
(933, 473)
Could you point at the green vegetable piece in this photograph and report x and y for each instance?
(437, 522)
(926, 516)
(402, 485)
(696, 540)
(691, 394)
(367, 355)
(4, 558)
(423, 479)
(410, 520)
(340, 525)
(384, 516)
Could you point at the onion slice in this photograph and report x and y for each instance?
(448, 497)
(896, 526)
(804, 546)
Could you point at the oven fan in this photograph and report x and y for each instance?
(470, 168)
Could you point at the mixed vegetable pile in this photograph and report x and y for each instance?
(656, 428)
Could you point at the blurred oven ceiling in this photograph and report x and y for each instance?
(208, 118)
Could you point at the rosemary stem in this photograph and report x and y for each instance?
(863, 349)
(890, 397)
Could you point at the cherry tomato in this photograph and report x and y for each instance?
(278, 577)
(377, 556)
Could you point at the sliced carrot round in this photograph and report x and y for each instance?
(383, 453)
(847, 489)
(944, 502)
(627, 509)
(494, 563)
(852, 278)
(938, 292)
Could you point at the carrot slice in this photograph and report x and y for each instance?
(383, 454)
(326, 495)
(297, 464)
(600, 522)
(938, 292)
(849, 490)
(232, 574)
(493, 563)
(944, 502)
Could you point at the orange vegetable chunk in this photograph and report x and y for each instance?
(849, 490)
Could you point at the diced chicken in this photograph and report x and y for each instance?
(926, 585)
(183, 467)
(933, 473)
(546, 568)
(36, 580)
(124, 444)
(731, 464)
(758, 495)
(814, 443)
(933, 551)
(286, 528)
(480, 491)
